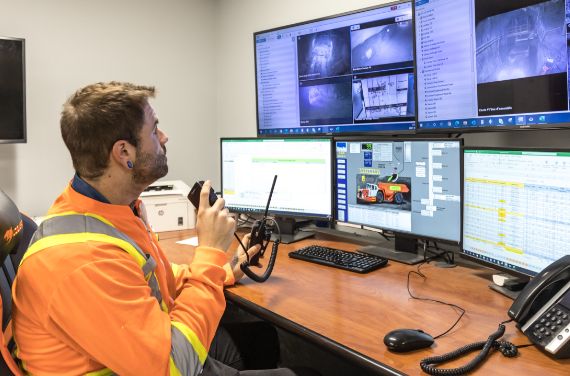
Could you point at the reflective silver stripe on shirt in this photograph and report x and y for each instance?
(78, 223)
(183, 354)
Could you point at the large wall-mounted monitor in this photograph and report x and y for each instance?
(349, 73)
(12, 91)
(410, 187)
(516, 207)
(492, 65)
(304, 178)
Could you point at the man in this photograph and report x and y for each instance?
(95, 293)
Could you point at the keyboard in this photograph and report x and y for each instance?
(352, 261)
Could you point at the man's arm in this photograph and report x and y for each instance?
(232, 267)
(105, 309)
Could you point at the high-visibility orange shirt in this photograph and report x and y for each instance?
(81, 307)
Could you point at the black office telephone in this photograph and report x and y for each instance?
(542, 313)
(542, 309)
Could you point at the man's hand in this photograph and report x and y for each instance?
(239, 256)
(214, 226)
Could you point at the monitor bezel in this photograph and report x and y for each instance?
(459, 130)
(24, 138)
(405, 139)
(347, 133)
(273, 213)
(484, 262)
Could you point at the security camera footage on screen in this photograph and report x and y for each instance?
(478, 61)
(348, 73)
(405, 186)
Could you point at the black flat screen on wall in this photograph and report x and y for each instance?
(12, 91)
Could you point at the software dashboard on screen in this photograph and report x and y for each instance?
(346, 73)
(411, 187)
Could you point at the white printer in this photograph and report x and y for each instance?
(167, 206)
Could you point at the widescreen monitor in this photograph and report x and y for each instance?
(349, 73)
(410, 187)
(304, 178)
(12, 91)
(492, 65)
(516, 207)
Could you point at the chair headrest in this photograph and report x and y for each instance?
(11, 226)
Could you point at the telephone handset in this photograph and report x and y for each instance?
(542, 309)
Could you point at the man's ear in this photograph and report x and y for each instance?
(123, 154)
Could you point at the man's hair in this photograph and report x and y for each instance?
(96, 117)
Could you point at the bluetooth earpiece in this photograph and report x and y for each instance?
(129, 164)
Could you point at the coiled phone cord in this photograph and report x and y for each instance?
(509, 350)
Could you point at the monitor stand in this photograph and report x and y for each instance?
(404, 250)
(290, 232)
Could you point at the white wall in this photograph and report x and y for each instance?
(71, 43)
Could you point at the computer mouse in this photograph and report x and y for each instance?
(404, 340)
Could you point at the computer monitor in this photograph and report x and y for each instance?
(12, 91)
(492, 65)
(304, 179)
(516, 214)
(349, 73)
(410, 187)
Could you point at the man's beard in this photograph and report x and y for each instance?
(149, 167)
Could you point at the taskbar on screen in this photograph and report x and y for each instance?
(502, 264)
(555, 120)
(330, 129)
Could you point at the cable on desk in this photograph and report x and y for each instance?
(449, 256)
(241, 222)
(418, 272)
(506, 348)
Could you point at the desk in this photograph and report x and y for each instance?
(350, 313)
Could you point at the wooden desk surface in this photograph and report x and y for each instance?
(353, 312)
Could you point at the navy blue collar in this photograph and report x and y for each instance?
(82, 187)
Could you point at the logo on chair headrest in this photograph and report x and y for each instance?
(12, 232)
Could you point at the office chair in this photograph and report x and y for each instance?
(16, 231)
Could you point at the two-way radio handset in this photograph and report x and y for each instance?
(261, 234)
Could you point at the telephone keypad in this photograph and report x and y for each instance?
(547, 327)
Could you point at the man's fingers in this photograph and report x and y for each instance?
(253, 250)
(204, 195)
(245, 238)
(220, 204)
